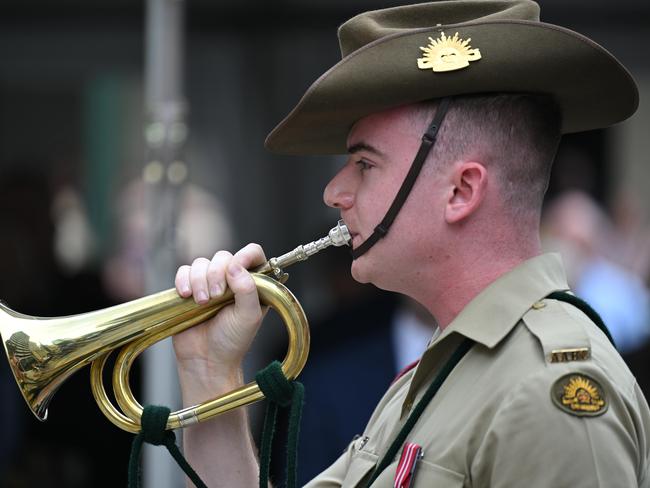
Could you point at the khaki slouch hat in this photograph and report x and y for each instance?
(418, 52)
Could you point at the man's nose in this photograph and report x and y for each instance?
(339, 192)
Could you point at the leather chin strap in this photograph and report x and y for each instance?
(428, 140)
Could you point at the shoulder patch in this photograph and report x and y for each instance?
(580, 395)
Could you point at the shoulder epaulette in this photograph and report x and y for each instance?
(563, 336)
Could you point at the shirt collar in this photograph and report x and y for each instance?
(492, 314)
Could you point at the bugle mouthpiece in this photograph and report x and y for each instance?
(337, 236)
(340, 235)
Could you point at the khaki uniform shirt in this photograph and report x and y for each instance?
(495, 422)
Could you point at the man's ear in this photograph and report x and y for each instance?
(469, 181)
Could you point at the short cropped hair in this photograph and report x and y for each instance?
(516, 134)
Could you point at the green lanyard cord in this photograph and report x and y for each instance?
(280, 392)
(446, 370)
(154, 420)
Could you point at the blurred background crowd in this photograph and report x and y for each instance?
(96, 210)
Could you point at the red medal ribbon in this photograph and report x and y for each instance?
(411, 453)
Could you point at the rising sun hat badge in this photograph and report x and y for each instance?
(447, 54)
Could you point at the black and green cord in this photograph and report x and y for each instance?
(279, 391)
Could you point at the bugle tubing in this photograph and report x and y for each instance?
(44, 352)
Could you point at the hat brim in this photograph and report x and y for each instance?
(591, 87)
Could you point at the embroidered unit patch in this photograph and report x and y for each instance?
(447, 54)
(580, 395)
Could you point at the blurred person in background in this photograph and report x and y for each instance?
(633, 250)
(202, 226)
(593, 250)
(632, 223)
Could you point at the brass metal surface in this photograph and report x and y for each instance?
(44, 352)
(447, 54)
(568, 355)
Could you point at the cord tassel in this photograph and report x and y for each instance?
(280, 392)
(154, 420)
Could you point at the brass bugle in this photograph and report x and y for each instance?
(44, 352)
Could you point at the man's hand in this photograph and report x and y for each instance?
(209, 355)
(209, 359)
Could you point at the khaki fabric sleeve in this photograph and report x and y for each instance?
(532, 442)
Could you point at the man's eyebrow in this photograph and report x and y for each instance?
(362, 146)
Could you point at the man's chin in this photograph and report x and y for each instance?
(359, 271)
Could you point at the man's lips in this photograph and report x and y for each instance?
(354, 236)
